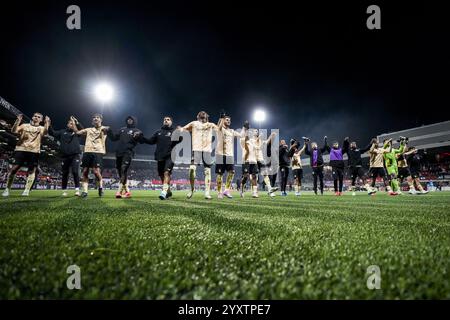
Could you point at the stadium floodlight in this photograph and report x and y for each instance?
(104, 92)
(259, 116)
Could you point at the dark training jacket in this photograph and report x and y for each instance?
(69, 141)
(354, 155)
(125, 138)
(283, 155)
(164, 143)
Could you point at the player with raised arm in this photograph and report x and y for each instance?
(28, 148)
(337, 166)
(284, 161)
(296, 164)
(165, 139)
(390, 159)
(254, 161)
(127, 138)
(403, 168)
(201, 134)
(266, 167)
(225, 154)
(316, 161)
(94, 149)
(415, 161)
(70, 149)
(376, 164)
(355, 167)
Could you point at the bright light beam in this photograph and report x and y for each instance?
(104, 92)
(259, 116)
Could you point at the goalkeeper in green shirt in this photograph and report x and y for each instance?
(390, 161)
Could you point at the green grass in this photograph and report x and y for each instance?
(283, 248)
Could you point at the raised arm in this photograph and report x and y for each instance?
(77, 123)
(366, 148)
(407, 153)
(55, 133)
(152, 140)
(346, 145)
(80, 132)
(325, 147)
(244, 130)
(176, 138)
(401, 149)
(213, 126)
(47, 123)
(306, 146)
(302, 149)
(113, 136)
(373, 145)
(271, 137)
(187, 127)
(220, 124)
(17, 127)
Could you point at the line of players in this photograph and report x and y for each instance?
(392, 165)
(402, 163)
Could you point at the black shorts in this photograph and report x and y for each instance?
(25, 159)
(356, 172)
(377, 172)
(224, 163)
(403, 172)
(165, 165)
(70, 161)
(250, 168)
(202, 157)
(415, 174)
(123, 160)
(266, 169)
(297, 173)
(92, 160)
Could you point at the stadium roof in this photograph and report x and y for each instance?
(424, 137)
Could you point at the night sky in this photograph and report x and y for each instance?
(317, 70)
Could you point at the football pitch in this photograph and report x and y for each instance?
(309, 247)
